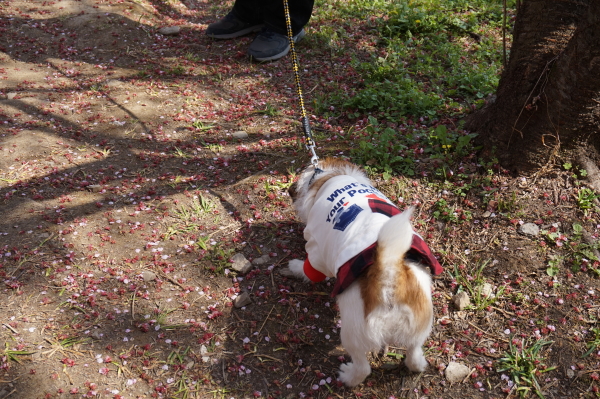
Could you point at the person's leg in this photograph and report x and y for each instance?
(272, 43)
(245, 17)
(274, 16)
(248, 11)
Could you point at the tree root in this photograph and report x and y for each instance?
(593, 175)
(587, 237)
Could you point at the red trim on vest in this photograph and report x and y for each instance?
(352, 269)
(422, 251)
(313, 274)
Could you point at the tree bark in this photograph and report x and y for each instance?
(549, 94)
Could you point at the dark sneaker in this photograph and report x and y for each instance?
(230, 26)
(271, 46)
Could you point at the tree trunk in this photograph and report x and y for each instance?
(549, 93)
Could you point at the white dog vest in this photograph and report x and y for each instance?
(342, 230)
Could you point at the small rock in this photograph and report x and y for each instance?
(487, 290)
(189, 365)
(239, 135)
(570, 373)
(529, 229)
(240, 263)
(203, 350)
(97, 335)
(242, 300)
(114, 83)
(148, 276)
(461, 300)
(262, 260)
(11, 95)
(456, 372)
(205, 359)
(169, 30)
(486, 214)
(95, 188)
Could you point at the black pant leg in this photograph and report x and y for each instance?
(249, 10)
(273, 15)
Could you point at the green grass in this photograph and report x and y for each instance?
(195, 209)
(388, 151)
(219, 258)
(435, 56)
(268, 110)
(524, 362)
(200, 125)
(382, 151)
(13, 355)
(430, 60)
(472, 281)
(586, 198)
(595, 343)
(582, 254)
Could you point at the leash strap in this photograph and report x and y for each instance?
(310, 143)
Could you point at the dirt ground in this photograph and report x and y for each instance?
(135, 164)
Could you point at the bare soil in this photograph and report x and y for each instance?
(125, 191)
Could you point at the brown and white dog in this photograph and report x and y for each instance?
(354, 233)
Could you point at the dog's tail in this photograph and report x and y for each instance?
(392, 279)
(395, 237)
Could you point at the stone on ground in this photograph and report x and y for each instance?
(461, 300)
(456, 372)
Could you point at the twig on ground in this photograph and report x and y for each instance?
(10, 328)
(266, 318)
(223, 229)
(267, 356)
(504, 312)
(133, 306)
(172, 280)
(469, 375)
(487, 333)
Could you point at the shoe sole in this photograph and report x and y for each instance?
(297, 38)
(239, 33)
(271, 58)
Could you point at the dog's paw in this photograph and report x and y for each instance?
(296, 268)
(351, 375)
(416, 364)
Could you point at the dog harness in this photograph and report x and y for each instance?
(342, 229)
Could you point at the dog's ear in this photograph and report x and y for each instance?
(293, 190)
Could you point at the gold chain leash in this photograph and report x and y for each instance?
(310, 143)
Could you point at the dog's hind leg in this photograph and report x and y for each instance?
(355, 372)
(355, 337)
(415, 361)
